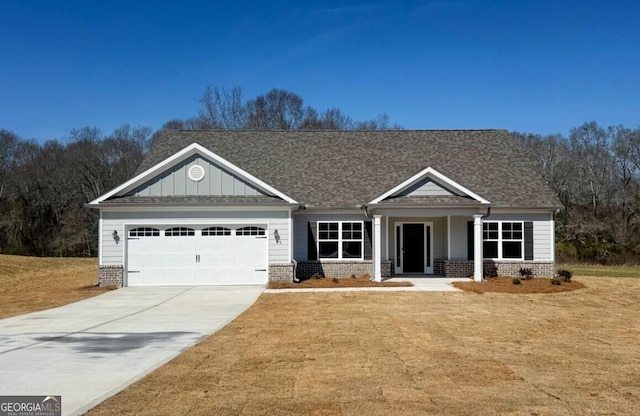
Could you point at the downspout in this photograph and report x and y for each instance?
(487, 214)
(295, 263)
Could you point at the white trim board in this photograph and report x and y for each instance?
(188, 151)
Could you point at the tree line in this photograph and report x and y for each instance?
(595, 171)
(43, 187)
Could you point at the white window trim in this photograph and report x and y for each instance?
(499, 240)
(340, 240)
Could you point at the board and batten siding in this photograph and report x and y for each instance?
(300, 224)
(426, 187)
(176, 182)
(113, 253)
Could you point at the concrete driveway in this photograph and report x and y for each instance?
(90, 350)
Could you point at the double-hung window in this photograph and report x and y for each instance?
(502, 240)
(340, 240)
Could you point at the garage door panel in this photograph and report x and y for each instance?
(209, 259)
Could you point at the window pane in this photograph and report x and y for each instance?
(346, 226)
(333, 235)
(357, 235)
(351, 249)
(511, 250)
(517, 226)
(357, 226)
(346, 235)
(328, 250)
(490, 250)
(323, 226)
(333, 226)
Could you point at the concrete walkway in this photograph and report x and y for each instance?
(420, 284)
(92, 349)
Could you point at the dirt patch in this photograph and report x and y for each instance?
(29, 284)
(327, 282)
(505, 285)
(409, 353)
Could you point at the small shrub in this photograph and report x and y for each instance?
(516, 281)
(556, 282)
(335, 280)
(526, 273)
(353, 276)
(565, 275)
(490, 270)
(316, 276)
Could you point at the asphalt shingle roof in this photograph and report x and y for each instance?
(350, 168)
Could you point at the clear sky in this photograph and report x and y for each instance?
(540, 66)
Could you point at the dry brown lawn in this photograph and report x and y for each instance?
(327, 282)
(410, 353)
(29, 284)
(505, 285)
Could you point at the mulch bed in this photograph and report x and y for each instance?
(328, 282)
(505, 285)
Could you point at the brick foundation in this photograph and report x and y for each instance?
(464, 268)
(339, 269)
(111, 275)
(281, 272)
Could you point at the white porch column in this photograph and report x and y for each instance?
(477, 248)
(377, 249)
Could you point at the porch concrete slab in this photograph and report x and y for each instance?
(89, 350)
(420, 284)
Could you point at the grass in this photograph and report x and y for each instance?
(409, 353)
(29, 284)
(596, 270)
(359, 281)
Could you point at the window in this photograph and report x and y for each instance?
(250, 231)
(212, 231)
(340, 240)
(179, 232)
(144, 232)
(502, 240)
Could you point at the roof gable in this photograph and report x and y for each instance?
(346, 169)
(171, 177)
(211, 180)
(441, 186)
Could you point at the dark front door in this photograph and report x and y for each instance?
(413, 248)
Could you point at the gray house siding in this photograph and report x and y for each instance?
(458, 237)
(426, 187)
(176, 182)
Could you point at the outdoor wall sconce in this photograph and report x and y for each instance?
(276, 236)
(115, 236)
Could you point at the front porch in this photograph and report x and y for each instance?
(428, 242)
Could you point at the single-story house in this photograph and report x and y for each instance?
(211, 207)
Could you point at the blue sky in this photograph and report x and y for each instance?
(530, 66)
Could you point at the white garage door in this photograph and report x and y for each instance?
(187, 255)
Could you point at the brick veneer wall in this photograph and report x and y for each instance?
(464, 268)
(111, 275)
(281, 272)
(339, 269)
(540, 268)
